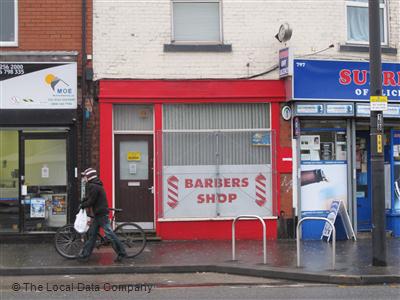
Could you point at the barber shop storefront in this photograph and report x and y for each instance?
(184, 158)
(331, 130)
(37, 142)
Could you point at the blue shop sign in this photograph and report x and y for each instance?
(341, 80)
(324, 109)
(284, 61)
(363, 110)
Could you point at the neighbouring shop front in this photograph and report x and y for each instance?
(37, 142)
(331, 109)
(185, 157)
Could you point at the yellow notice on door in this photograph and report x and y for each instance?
(379, 144)
(134, 156)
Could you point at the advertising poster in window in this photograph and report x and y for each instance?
(58, 205)
(397, 186)
(38, 207)
(322, 183)
(396, 168)
(217, 191)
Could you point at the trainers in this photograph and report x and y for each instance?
(83, 258)
(119, 257)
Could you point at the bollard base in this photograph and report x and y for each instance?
(378, 263)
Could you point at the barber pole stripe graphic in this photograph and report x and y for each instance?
(172, 182)
(261, 190)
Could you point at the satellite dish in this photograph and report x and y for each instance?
(285, 33)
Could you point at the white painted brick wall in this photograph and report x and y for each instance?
(129, 35)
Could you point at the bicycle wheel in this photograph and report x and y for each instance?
(133, 238)
(68, 242)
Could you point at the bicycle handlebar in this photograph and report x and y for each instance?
(116, 209)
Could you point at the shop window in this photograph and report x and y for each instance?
(323, 145)
(357, 22)
(9, 204)
(133, 117)
(215, 134)
(196, 21)
(217, 160)
(36, 201)
(8, 23)
(395, 137)
(323, 177)
(329, 124)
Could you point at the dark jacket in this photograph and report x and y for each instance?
(96, 198)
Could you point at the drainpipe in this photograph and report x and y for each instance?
(83, 86)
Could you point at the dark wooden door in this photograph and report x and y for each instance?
(134, 178)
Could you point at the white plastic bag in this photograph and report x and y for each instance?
(81, 221)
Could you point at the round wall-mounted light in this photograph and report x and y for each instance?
(285, 33)
(286, 113)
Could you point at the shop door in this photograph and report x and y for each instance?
(134, 179)
(395, 167)
(43, 160)
(363, 181)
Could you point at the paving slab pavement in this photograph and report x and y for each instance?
(353, 260)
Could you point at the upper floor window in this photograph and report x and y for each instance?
(8, 23)
(357, 21)
(196, 21)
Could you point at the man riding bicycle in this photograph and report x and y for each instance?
(96, 201)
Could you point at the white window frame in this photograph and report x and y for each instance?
(383, 6)
(15, 42)
(173, 41)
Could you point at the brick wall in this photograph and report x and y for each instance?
(55, 25)
(285, 131)
(129, 38)
(285, 140)
(93, 138)
(286, 189)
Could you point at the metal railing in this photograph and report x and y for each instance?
(333, 238)
(264, 235)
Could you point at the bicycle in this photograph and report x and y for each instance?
(68, 242)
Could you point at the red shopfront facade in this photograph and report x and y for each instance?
(184, 157)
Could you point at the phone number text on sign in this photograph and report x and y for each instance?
(11, 69)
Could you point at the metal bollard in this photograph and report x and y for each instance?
(333, 238)
(264, 235)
